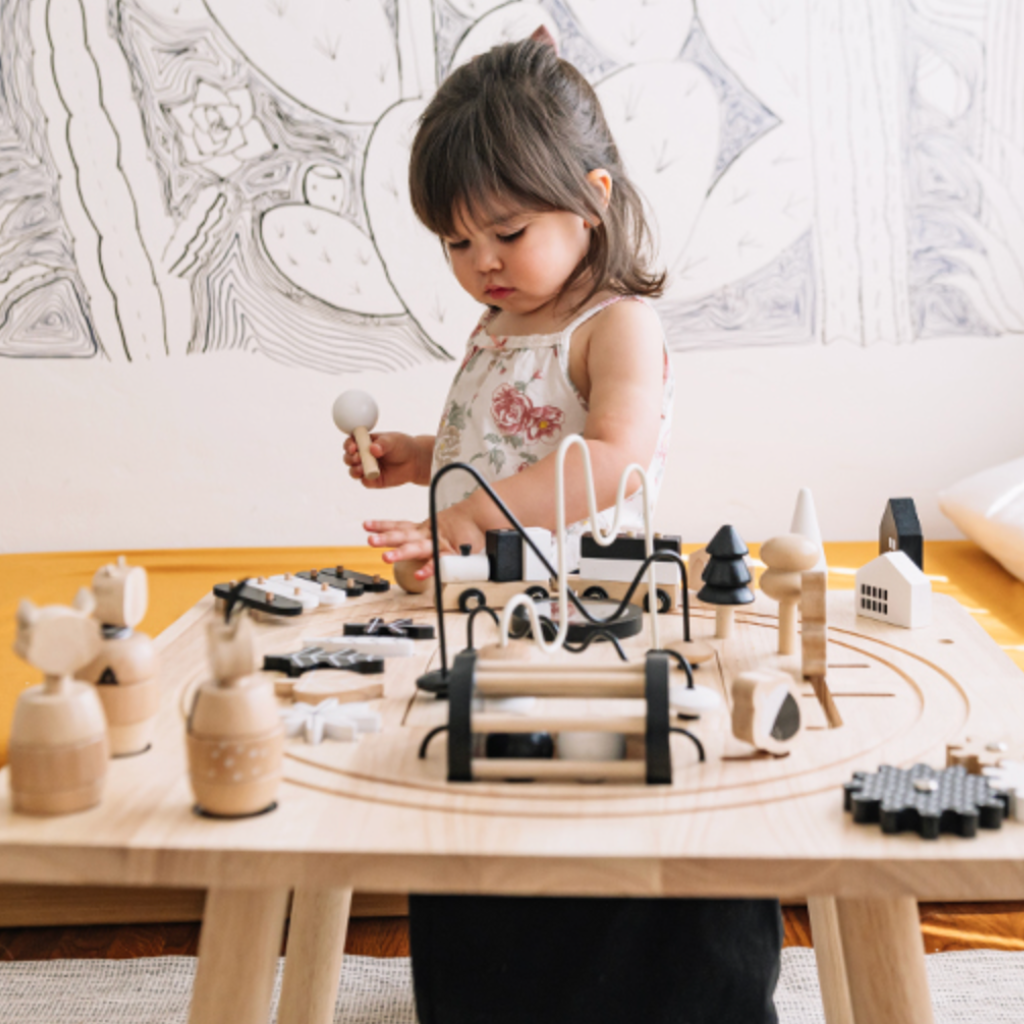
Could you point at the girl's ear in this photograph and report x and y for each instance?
(542, 35)
(602, 182)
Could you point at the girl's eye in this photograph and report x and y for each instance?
(512, 237)
(464, 244)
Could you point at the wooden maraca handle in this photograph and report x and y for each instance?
(371, 471)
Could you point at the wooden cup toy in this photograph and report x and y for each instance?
(787, 556)
(355, 413)
(126, 668)
(59, 748)
(235, 735)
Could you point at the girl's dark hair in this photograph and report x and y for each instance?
(517, 126)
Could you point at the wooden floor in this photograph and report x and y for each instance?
(945, 926)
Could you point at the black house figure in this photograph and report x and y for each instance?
(900, 530)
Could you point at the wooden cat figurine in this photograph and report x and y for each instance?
(126, 669)
(59, 748)
(235, 735)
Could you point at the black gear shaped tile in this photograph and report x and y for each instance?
(959, 803)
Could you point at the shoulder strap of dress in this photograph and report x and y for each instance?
(593, 311)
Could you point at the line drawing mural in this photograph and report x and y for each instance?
(180, 177)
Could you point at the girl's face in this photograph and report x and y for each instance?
(520, 261)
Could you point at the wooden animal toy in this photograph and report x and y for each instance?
(891, 588)
(900, 530)
(787, 556)
(814, 640)
(125, 671)
(766, 711)
(235, 737)
(355, 413)
(726, 578)
(59, 747)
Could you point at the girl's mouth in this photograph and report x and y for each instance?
(498, 293)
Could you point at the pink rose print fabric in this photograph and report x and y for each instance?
(511, 404)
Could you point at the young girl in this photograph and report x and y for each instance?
(515, 169)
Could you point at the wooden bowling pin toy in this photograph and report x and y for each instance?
(59, 748)
(355, 413)
(787, 557)
(235, 735)
(126, 668)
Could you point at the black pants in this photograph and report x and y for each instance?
(514, 960)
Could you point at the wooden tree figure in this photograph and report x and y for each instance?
(787, 556)
(235, 734)
(725, 578)
(59, 749)
(125, 670)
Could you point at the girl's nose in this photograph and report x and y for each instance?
(487, 259)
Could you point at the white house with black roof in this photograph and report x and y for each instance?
(892, 589)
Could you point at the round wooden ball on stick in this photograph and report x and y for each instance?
(787, 556)
(355, 413)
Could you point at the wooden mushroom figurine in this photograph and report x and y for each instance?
(355, 413)
(235, 735)
(726, 578)
(787, 556)
(59, 748)
(126, 667)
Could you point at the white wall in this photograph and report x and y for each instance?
(235, 451)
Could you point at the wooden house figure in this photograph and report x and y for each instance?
(893, 589)
(900, 530)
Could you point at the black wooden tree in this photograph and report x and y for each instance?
(725, 578)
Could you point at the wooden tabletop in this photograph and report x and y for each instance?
(374, 817)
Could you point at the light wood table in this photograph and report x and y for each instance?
(372, 816)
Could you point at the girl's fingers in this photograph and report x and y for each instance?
(413, 550)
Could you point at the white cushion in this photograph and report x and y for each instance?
(989, 508)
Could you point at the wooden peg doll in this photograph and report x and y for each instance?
(125, 671)
(59, 748)
(235, 736)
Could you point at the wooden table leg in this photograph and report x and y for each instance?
(316, 946)
(239, 945)
(884, 954)
(828, 952)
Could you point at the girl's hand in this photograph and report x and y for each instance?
(411, 541)
(400, 457)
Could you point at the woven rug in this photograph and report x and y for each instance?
(967, 988)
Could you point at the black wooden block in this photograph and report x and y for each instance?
(900, 530)
(309, 659)
(628, 548)
(259, 600)
(400, 627)
(505, 554)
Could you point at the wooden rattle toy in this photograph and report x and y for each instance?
(235, 735)
(126, 668)
(355, 413)
(765, 711)
(59, 747)
(787, 556)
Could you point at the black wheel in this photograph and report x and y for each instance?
(470, 599)
(664, 601)
(596, 593)
(537, 593)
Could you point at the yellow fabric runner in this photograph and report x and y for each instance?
(177, 579)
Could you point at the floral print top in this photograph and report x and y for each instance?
(511, 404)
